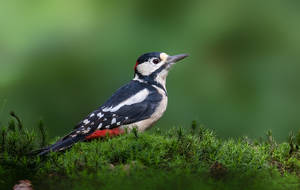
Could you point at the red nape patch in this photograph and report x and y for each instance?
(136, 64)
(102, 133)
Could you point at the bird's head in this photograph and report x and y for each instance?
(155, 65)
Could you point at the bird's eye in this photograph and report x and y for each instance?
(155, 61)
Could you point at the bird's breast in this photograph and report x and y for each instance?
(156, 115)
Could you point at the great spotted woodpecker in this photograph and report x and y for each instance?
(140, 103)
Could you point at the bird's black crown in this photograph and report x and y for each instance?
(147, 56)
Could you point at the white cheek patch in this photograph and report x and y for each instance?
(146, 68)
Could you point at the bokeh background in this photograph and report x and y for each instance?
(62, 59)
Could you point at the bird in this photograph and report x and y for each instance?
(138, 104)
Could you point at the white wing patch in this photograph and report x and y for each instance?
(137, 98)
(100, 115)
(113, 121)
(86, 121)
(107, 109)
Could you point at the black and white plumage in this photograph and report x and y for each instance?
(140, 103)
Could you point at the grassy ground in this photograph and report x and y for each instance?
(178, 159)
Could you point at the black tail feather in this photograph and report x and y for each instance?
(59, 145)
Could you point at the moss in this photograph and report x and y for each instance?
(177, 158)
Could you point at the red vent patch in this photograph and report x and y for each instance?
(104, 132)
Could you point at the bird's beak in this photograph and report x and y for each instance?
(175, 58)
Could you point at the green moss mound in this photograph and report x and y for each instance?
(176, 159)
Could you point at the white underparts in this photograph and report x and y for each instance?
(137, 98)
(161, 78)
(158, 113)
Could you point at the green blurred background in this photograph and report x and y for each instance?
(62, 59)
